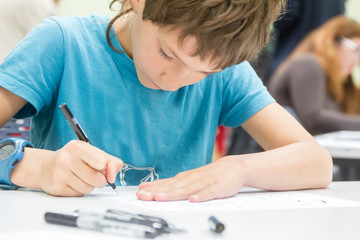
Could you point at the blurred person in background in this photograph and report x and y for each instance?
(301, 17)
(315, 81)
(18, 17)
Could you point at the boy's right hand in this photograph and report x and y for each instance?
(74, 170)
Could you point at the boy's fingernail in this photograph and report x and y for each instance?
(161, 195)
(142, 192)
(194, 198)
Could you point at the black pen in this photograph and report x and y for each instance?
(75, 126)
(101, 223)
(215, 225)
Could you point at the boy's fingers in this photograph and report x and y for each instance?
(145, 195)
(148, 190)
(163, 194)
(206, 194)
(113, 166)
(212, 192)
(96, 158)
(67, 192)
(151, 184)
(68, 185)
(79, 185)
(172, 195)
(181, 180)
(89, 154)
(170, 191)
(88, 174)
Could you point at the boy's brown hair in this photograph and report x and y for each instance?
(227, 31)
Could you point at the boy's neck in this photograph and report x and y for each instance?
(122, 28)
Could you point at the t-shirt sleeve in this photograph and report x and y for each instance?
(34, 67)
(244, 94)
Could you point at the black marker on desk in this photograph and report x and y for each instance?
(75, 126)
(101, 223)
(215, 225)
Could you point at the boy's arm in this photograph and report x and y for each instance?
(292, 160)
(73, 170)
(10, 105)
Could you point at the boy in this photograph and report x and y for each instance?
(178, 74)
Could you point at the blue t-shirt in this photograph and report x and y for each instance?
(67, 60)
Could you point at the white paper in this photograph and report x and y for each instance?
(247, 199)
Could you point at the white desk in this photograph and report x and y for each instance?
(22, 217)
(344, 147)
(341, 144)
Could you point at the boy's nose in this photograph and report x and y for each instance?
(179, 77)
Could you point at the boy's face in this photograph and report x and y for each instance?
(159, 63)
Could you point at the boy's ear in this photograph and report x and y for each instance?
(136, 4)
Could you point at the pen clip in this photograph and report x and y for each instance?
(159, 224)
(100, 222)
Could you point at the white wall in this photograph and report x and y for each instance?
(84, 7)
(88, 7)
(353, 9)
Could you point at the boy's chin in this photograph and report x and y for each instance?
(152, 85)
(149, 84)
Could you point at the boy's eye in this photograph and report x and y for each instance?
(164, 55)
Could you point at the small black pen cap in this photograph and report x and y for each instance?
(215, 225)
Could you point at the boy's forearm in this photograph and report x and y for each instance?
(296, 166)
(28, 172)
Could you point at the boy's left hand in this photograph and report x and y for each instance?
(220, 179)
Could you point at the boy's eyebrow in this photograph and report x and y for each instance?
(179, 59)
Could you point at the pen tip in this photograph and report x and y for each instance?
(112, 185)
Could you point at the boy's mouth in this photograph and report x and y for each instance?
(157, 86)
